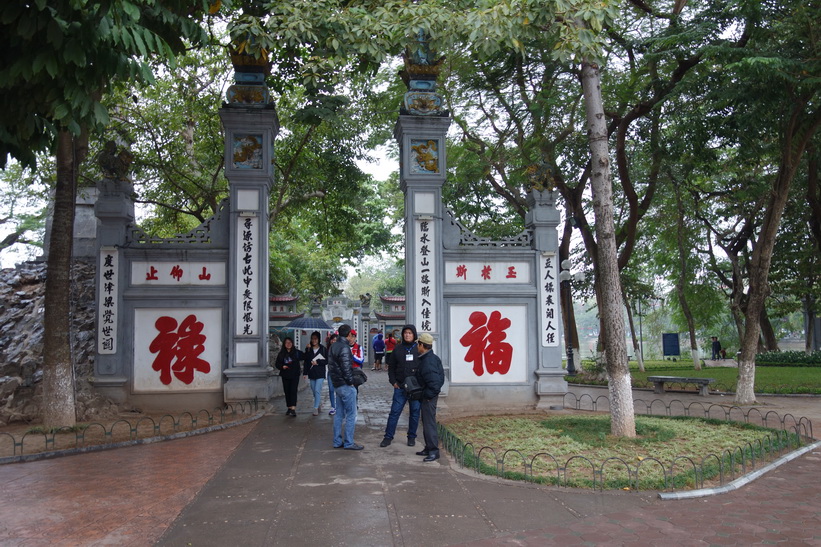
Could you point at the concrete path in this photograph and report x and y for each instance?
(279, 482)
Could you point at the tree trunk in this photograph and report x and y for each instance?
(622, 415)
(798, 131)
(58, 369)
(682, 281)
(570, 315)
(768, 333)
(633, 337)
(809, 323)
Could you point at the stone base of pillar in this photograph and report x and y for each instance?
(113, 387)
(246, 385)
(550, 389)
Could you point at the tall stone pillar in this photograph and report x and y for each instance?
(250, 123)
(365, 335)
(543, 218)
(114, 209)
(421, 131)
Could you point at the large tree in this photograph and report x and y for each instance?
(370, 32)
(57, 61)
(323, 208)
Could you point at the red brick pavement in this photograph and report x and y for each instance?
(126, 496)
(131, 496)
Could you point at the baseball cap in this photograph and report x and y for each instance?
(353, 332)
(426, 338)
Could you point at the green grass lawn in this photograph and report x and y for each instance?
(781, 379)
(667, 451)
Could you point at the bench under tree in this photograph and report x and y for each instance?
(702, 383)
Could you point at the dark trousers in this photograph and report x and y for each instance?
(290, 386)
(429, 424)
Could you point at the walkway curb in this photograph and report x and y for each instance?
(741, 481)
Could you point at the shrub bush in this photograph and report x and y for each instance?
(788, 358)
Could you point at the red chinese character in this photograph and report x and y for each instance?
(176, 272)
(462, 271)
(205, 276)
(486, 341)
(486, 272)
(511, 272)
(151, 275)
(178, 350)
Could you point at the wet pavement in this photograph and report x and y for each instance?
(278, 481)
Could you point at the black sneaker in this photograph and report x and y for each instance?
(385, 442)
(411, 441)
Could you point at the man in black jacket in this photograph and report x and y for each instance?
(431, 375)
(340, 367)
(401, 363)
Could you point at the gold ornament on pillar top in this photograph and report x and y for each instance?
(251, 65)
(540, 177)
(245, 61)
(414, 71)
(419, 75)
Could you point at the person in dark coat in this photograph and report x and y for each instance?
(431, 376)
(716, 347)
(288, 364)
(378, 351)
(340, 366)
(401, 363)
(314, 368)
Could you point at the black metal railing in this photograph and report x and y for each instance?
(124, 430)
(617, 473)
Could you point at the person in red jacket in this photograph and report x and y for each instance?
(390, 344)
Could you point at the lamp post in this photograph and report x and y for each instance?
(564, 277)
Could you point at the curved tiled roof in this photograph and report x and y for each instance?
(389, 316)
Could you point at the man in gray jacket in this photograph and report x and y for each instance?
(431, 375)
(340, 368)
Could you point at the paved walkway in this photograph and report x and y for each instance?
(278, 482)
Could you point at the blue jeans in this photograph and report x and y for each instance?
(331, 393)
(316, 388)
(347, 413)
(398, 404)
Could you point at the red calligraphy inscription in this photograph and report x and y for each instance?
(178, 350)
(488, 350)
(486, 272)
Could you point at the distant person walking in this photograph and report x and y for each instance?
(340, 364)
(288, 364)
(333, 337)
(378, 351)
(314, 369)
(431, 375)
(716, 348)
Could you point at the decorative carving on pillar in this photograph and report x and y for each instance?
(420, 74)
